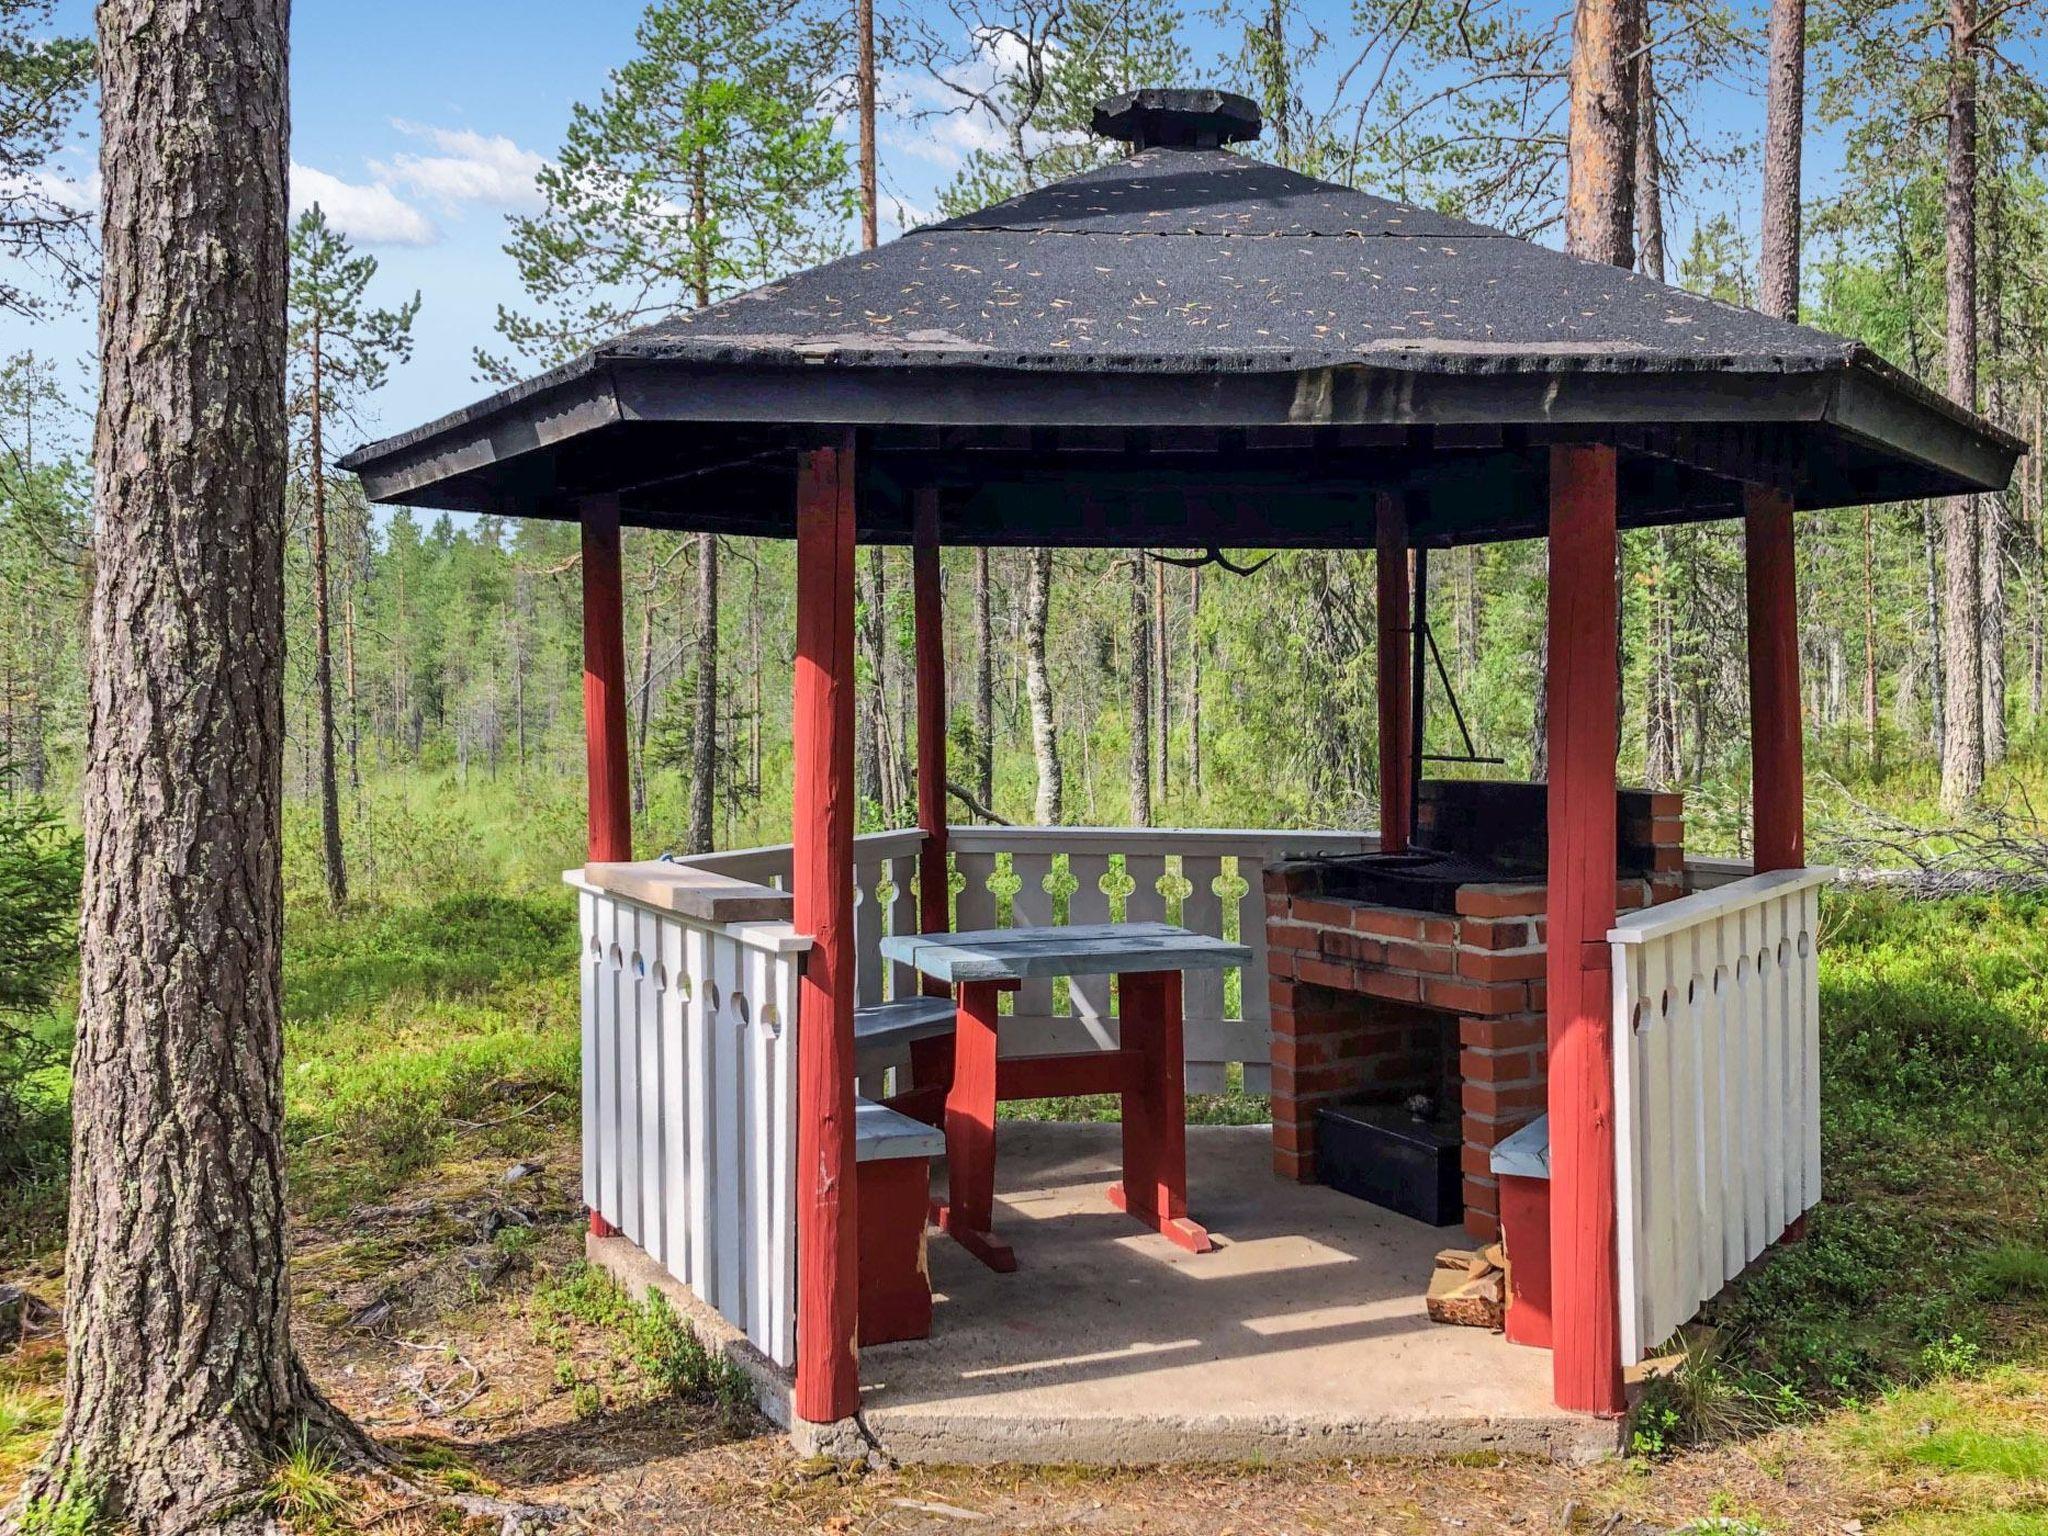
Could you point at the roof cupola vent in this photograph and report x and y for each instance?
(1176, 119)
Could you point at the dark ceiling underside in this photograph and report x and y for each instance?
(1472, 450)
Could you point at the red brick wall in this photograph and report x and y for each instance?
(1361, 996)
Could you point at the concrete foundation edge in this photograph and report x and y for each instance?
(915, 1435)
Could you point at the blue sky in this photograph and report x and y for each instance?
(419, 125)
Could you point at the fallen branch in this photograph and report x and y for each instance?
(2004, 851)
(975, 805)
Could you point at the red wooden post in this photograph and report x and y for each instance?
(827, 1255)
(928, 621)
(1777, 770)
(609, 816)
(1154, 1187)
(604, 684)
(1397, 789)
(1586, 1331)
(968, 1216)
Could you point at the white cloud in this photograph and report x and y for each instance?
(61, 191)
(469, 167)
(374, 213)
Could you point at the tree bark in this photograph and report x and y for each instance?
(2037, 520)
(984, 684)
(1162, 683)
(323, 653)
(1194, 704)
(1600, 203)
(1993, 526)
(1045, 746)
(704, 712)
(1141, 694)
(643, 704)
(1649, 169)
(1937, 668)
(1962, 747)
(1871, 722)
(864, 21)
(181, 1382)
(1784, 133)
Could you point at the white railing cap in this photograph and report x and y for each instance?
(776, 938)
(1219, 840)
(1704, 906)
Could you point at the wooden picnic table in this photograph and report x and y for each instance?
(1145, 1069)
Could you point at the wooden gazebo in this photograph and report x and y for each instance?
(1189, 349)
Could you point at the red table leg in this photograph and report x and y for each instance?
(968, 1217)
(1155, 1182)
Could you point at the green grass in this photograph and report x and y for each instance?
(667, 1357)
(412, 1034)
(305, 1488)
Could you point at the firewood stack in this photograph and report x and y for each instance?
(1469, 1287)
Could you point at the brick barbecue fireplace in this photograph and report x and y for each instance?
(1424, 973)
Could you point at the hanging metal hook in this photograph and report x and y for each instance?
(1214, 556)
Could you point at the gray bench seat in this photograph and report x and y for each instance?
(881, 1134)
(1526, 1154)
(899, 1023)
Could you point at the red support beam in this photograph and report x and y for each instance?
(1586, 1300)
(928, 623)
(1397, 787)
(1777, 770)
(827, 1251)
(604, 684)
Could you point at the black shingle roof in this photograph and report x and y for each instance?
(1251, 349)
(1201, 260)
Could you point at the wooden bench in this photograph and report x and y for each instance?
(1522, 1164)
(894, 1154)
(923, 1025)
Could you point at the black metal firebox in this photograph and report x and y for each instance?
(1403, 1157)
(1478, 832)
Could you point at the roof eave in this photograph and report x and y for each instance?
(1864, 399)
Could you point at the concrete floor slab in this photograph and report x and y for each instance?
(1302, 1335)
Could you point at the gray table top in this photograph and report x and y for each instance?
(1082, 949)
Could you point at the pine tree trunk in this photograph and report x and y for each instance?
(181, 1382)
(1962, 748)
(1600, 204)
(1937, 668)
(1649, 170)
(1045, 746)
(1872, 726)
(704, 712)
(1992, 530)
(643, 703)
(1162, 683)
(1141, 694)
(1194, 704)
(355, 716)
(2037, 520)
(864, 79)
(1784, 132)
(323, 656)
(984, 684)
(867, 734)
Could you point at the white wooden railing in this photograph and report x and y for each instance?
(1717, 1090)
(1211, 881)
(689, 1101)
